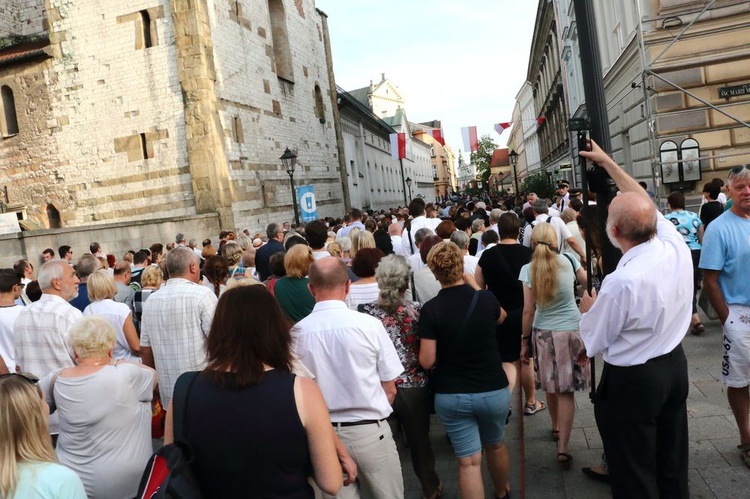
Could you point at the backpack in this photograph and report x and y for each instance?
(168, 474)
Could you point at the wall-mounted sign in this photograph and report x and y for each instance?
(734, 91)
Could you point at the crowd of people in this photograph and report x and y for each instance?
(322, 349)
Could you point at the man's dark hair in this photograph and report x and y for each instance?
(63, 250)
(8, 279)
(508, 226)
(718, 182)
(20, 267)
(316, 234)
(206, 242)
(489, 237)
(140, 257)
(676, 200)
(272, 230)
(33, 291)
(463, 224)
(223, 234)
(49, 251)
(576, 204)
(355, 214)
(276, 264)
(416, 207)
(713, 189)
(94, 248)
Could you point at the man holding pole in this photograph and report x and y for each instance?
(637, 323)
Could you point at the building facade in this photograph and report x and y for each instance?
(165, 108)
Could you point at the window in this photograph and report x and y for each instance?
(320, 110)
(9, 124)
(144, 146)
(237, 134)
(282, 54)
(53, 217)
(680, 164)
(146, 29)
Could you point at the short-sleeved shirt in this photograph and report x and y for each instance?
(105, 426)
(47, 481)
(562, 313)
(501, 266)
(726, 248)
(349, 354)
(562, 230)
(687, 224)
(467, 360)
(8, 316)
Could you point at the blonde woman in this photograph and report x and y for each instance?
(28, 465)
(233, 255)
(291, 291)
(101, 291)
(550, 319)
(104, 407)
(360, 239)
(151, 280)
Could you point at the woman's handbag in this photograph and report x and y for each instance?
(705, 304)
(168, 474)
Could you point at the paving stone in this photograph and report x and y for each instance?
(727, 483)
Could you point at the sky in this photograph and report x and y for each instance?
(461, 62)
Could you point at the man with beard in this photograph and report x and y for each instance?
(637, 323)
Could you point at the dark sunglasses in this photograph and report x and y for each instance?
(27, 376)
(738, 169)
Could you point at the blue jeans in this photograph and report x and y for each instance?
(473, 419)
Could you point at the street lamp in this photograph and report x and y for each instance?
(289, 160)
(513, 157)
(496, 189)
(408, 185)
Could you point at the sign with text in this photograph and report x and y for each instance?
(9, 223)
(735, 91)
(306, 200)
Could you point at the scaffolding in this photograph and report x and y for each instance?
(653, 69)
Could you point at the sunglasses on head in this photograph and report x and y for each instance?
(27, 376)
(738, 169)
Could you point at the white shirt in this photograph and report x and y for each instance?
(350, 354)
(175, 323)
(398, 246)
(115, 313)
(425, 284)
(362, 293)
(8, 316)
(576, 233)
(470, 264)
(644, 307)
(415, 261)
(562, 231)
(42, 335)
(722, 199)
(317, 255)
(416, 224)
(344, 231)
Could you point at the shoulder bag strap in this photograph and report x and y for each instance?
(466, 318)
(179, 403)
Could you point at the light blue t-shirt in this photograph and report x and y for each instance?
(47, 481)
(726, 247)
(562, 314)
(687, 224)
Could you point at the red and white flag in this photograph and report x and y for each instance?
(398, 145)
(437, 135)
(471, 143)
(501, 127)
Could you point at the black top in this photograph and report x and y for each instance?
(248, 442)
(467, 361)
(710, 211)
(501, 266)
(263, 255)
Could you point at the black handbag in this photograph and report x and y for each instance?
(168, 474)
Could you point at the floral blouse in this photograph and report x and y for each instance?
(402, 327)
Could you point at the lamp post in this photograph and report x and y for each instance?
(289, 160)
(513, 157)
(408, 185)
(497, 191)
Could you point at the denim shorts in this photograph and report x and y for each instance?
(473, 419)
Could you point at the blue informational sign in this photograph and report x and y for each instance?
(306, 199)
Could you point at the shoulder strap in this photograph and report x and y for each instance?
(180, 402)
(470, 311)
(571, 263)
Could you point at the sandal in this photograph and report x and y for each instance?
(531, 409)
(566, 460)
(745, 453)
(698, 329)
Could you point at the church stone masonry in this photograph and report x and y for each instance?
(164, 108)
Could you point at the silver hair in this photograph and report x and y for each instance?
(540, 206)
(460, 239)
(392, 275)
(477, 225)
(54, 269)
(345, 242)
(179, 238)
(179, 260)
(421, 234)
(244, 242)
(744, 174)
(495, 215)
(87, 265)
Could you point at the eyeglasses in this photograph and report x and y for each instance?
(27, 376)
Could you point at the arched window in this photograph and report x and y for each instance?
(680, 164)
(53, 217)
(282, 54)
(690, 151)
(669, 157)
(146, 27)
(320, 110)
(9, 124)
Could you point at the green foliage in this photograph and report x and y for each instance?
(482, 158)
(540, 184)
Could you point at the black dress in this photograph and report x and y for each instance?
(248, 442)
(501, 266)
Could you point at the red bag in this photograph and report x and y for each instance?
(157, 418)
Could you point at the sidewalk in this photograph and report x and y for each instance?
(716, 470)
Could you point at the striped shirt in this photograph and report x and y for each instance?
(175, 324)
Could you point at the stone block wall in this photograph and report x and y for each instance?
(21, 18)
(272, 113)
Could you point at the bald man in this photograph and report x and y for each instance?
(637, 323)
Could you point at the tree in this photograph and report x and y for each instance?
(482, 159)
(540, 184)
